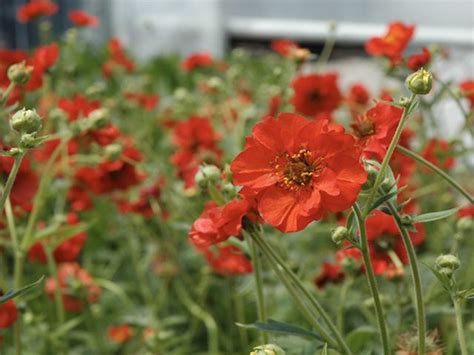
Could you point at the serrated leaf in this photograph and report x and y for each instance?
(434, 216)
(15, 293)
(281, 327)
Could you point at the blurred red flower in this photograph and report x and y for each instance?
(78, 106)
(147, 101)
(118, 58)
(284, 47)
(438, 152)
(316, 93)
(419, 60)
(229, 260)
(329, 273)
(82, 18)
(358, 95)
(36, 8)
(8, 313)
(120, 333)
(41, 60)
(197, 60)
(300, 170)
(467, 88)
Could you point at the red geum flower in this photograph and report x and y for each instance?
(438, 152)
(467, 211)
(229, 261)
(300, 170)
(147, 101)
(41, 60)
(402, 166)
(82, 18)
(120, 333)
(143, 205)
(329, 273)
(385, 243)
(375, 129)
(218, 223)
(419, 60)
(316, 93)
(197, 60)
(118, 58)
(358, 95)
(284, 47)
(76, 285)
(67, 251)
(467, 88)
(8, 314)
(78, 106)
(393, 43)
(36, 8)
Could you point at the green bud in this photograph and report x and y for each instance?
(99, 118)
(465, 224)
(448, 261)
(19, 73)
(25, 121)
(207, 174)
(29, 140)
(420, 82)
(339, 234)
(113, 151)
(268, 349)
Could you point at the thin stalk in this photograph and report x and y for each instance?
(310, 298)
(257, 268)
(415, 272)
(11, 224)
(459, 325)
(438, 171)
(239, 313)
(7, 93)
(328, 46)
(11, 179)
(296, 297)
(53, 270)
(342, 302)
(388, 156)
(364, 247)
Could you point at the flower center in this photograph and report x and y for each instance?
(297, 170)
(364, 128)
(314, 95)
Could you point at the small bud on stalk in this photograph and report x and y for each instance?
(339, 234)
(420, 82)
(207, 174)
(19, 73)
(26, 121)
(268, 349)
(448, 261)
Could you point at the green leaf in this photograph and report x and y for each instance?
(434, 216)
(466, 294)
(325, 349)
(382, 199)
(15, 293)
(281, 327)
(361, 338)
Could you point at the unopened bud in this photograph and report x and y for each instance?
(340, 234)
(268, 349)
(207, 174)
(19, 73)
(100, 117)
(113, 151)
(448, 261)
(465, 224)
(420, 82)
(29, 140)
(25, 121)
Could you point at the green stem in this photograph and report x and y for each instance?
(53, 271)
(342, 302)
(438, 171)
(11, 179)
(459, 325)
(388, 156)
(239, 313)
(415, 272)
(7, 93)
(364, 247)
(257, 268)
(328, 47)
(310, 298)
(11, 224)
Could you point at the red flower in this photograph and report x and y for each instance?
(8, 314)
(274, 105)
(41, 60)
(143, 204)
(197, 60)
(229, 261)
(386, 244)
(118, 58)
(284, 47)
(217, 224)
(393, 43)
(419, 60)
(438, 152)
(402, 166)
(467, 211)
(120, 333)
(358, 95)
(78, 106)
(329, 273)
(36, 8)
(147, 101)
(316, 93)
(82, 19)
(300, 169)
(467, 88)
(375, 129)
(76, 285)
(67, 251)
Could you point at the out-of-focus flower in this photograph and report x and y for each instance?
(81, 18)
(41, 60)
(229, 260)
(358, 95)
(147, 101)
(329, 273)
(8, 314)
(35, 9)
(467, 89)
(118, 58)
(419, 60)
(393, 43)
(438, 152)
(316, 93)
(197, 60)
(284, 47)
(120, 333)
(299, 169)
(143, 205)
(78, 106)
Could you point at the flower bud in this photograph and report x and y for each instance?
(339, 234)
(100, 117)
(448, 261)
(207, 174)
(420, 82)
(19, 73)
(465, 224)
(268, 349)
(25, 121)
(113, 151)
(28, 140)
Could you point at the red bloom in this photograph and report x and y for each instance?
(438, 152)
(402, 166)
(284, 47)
(147, 101)
(358, 95)
(217, 224)
(36, 8)
(67, 251)
(143, 204)
(300, 169)
(197, 60)
(467, 88)
(419, 60)
(386, 244)
(78, 106)
(329, 273)
(467, 211)
(120, 333)
(274, 105)
(118, 58)
(76, 285)
(229, 261)
(375, 129)
(393, 43)
(8, 314)
(316, 93)
(41, 60)
(82, 19)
